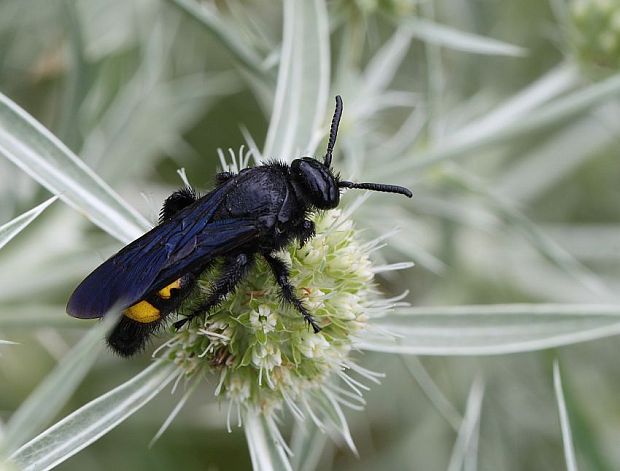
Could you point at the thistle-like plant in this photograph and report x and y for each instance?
(261, 353)
(415, 122)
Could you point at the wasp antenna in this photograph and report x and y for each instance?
(401, 190)
(333, 132)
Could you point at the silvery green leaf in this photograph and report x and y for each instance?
(34, 149)
(15, 226)
(266, 451)
(333, 417)
(460, 40)
(560, 156)
(511, 215)
(303, 82)
(555, 111)
(432, 391)
(567, 435)
(308, 446)
(577, 240)
(112, 27)
(52, 393)
(37, 316)
(223, 31)
(175, 411)
(87, 424)
(465, 451)
(491, 329)
(555, 82)
(383, 66)
(131, 135)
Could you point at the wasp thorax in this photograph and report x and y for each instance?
(318, 185)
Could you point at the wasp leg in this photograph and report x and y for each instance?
(281, 274)
(176, 202)
(232, 273)
(306, 232)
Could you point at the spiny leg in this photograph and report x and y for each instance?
(281, 274)
(232, 273)
(306, 232)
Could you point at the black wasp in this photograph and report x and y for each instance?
(255, 212)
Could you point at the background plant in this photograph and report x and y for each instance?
(501, 116)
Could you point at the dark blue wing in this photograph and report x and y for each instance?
(187, 241)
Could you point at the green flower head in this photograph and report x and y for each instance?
(596, 34)
(262, 350)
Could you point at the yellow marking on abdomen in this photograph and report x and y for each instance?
(166, 291)
(143, 312)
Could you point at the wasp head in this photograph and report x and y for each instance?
(317, 182)
(316, 179)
